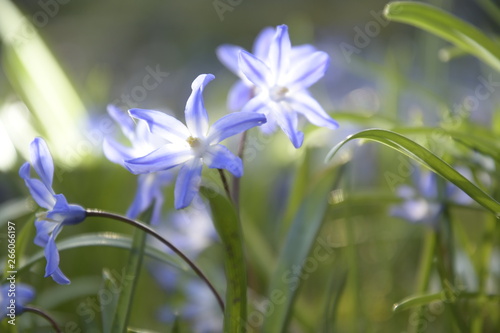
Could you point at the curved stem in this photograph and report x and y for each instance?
(152, 232)
(45, 315)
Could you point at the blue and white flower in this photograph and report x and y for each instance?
(280, 80)
(244, 90)
(193, 145)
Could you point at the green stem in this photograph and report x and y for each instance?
(425, 270)
(149, 230)
(487, 245)
(43, 314)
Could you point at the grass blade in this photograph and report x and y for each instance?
(421, 154)
(300, 239)
(131, 277)
(228, 227)
(438, 22)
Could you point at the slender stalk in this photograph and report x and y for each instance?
(149, 230)
(45, 315)
(424, 274)
(236, 180)
(225, 183)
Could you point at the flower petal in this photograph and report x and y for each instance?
(126, 123)
(287, 120)
(262, 42)
(239, 94)
(162, 124)
(40, 193)
(51, 252)
(219, 157)
(259, 103)
(300, 51)
(149, 189)
(232, 124)
(116, 152)
(42, 161)
(188, 182)
(228, 56)
(43, 231)
(279, 53)
(196, 115)
(163, 158)
(304, 104)
(307, 71)
(254, 69)
(59, 277)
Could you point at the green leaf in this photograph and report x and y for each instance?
(420, 154)
(110, 239)
(131, 277)
(108, 307)
(227, 224)
(419, 300)
(436, 21)
(299, 242)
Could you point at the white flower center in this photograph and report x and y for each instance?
(196, 145)
(278, 93)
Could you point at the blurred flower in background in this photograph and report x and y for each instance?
(423, 202)
(191, 230)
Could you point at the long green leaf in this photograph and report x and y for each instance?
(420, 154)
(436, 21)
(108, 307)
(227, 224)
(110, 239)
(300, 239)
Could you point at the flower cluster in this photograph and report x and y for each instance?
(272, 92)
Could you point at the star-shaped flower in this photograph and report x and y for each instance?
(150, 186)
(281, 83)
(59, 213)
(244, 90)
(193, 145)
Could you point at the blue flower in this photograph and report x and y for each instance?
(281, 81)
(21, 293)
(193, 145)
(244, 90)
(422, 204)
(150, 186)
(59, 213)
